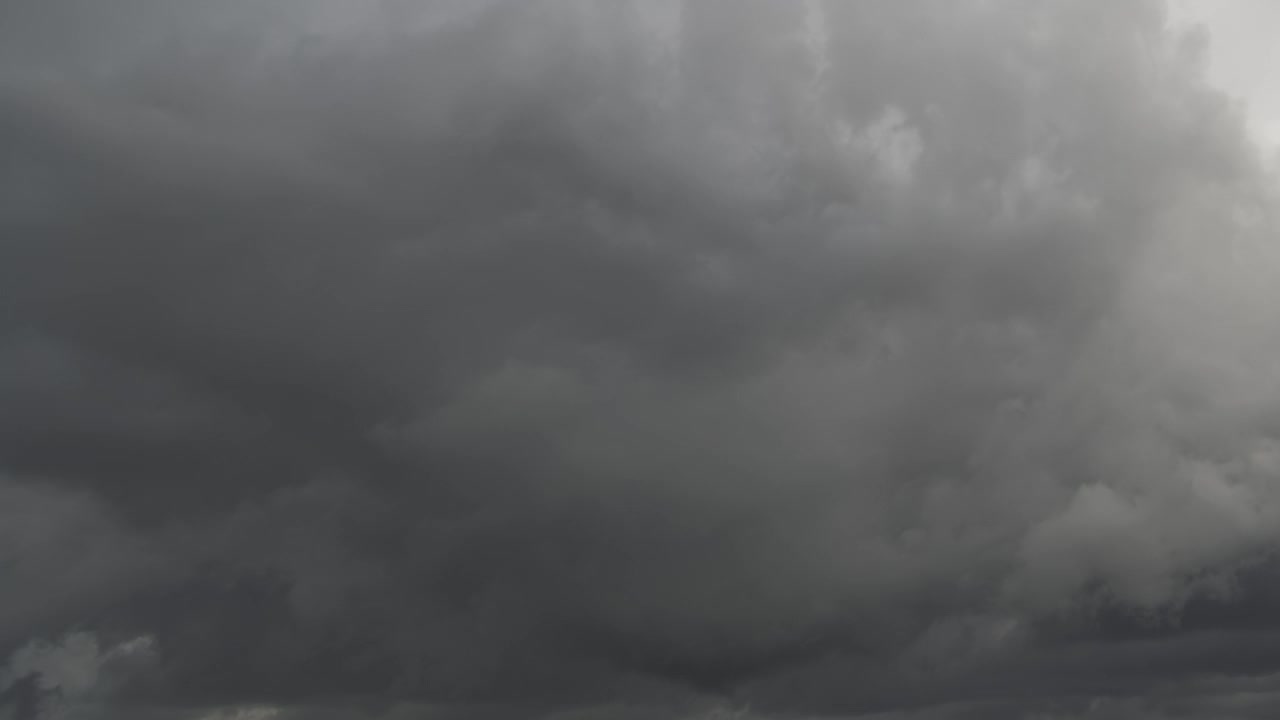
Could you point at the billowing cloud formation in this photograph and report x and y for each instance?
(650, 359)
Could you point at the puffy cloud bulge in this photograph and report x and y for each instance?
(571, 359)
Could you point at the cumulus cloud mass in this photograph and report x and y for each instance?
(632, 360)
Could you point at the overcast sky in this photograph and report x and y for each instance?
(1242, 54)
(638, 360)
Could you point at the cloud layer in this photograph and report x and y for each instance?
(569, 359)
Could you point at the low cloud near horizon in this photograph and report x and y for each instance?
(651, 359)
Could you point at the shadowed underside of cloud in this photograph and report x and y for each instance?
(567, 359)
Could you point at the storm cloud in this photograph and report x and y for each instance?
(661, 359)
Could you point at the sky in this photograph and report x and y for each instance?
(1241, 51)
(642, 360)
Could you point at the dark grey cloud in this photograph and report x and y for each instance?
(561, 359)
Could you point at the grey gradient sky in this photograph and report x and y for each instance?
(1243, 54)
(643, 360)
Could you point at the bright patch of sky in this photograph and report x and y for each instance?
(1243, 56)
